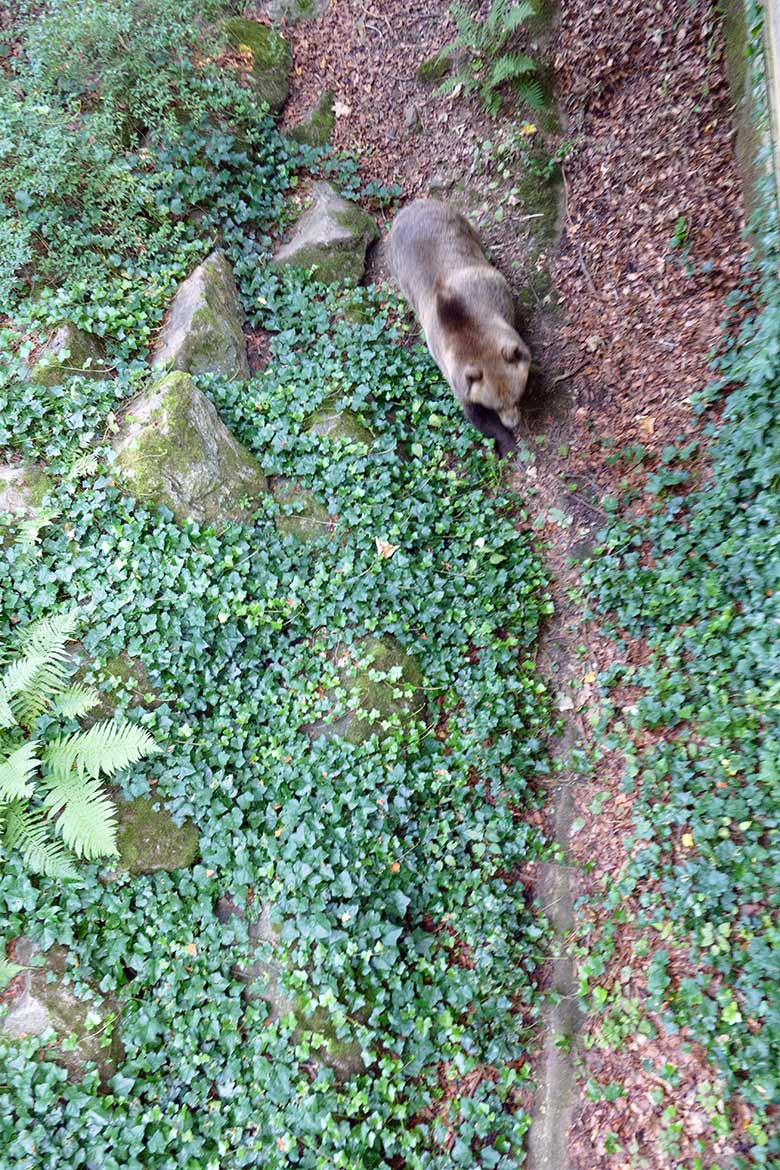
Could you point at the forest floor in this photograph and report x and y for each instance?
(647, 243)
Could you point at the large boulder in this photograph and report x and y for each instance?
(202, 333)
(22, 488)
(271, 57)
(82, 1031)
(148, 839)
(316, 127)
(68, 351)
(379, 688)
(175, 450)
(332, 237)
(264, 978)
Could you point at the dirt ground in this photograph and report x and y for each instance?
(647, 244)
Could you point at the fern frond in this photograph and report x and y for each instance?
(518, 14)
(75, 701)
(530, 91)
(83, 815)
(30, 529)
(509, 67)
(17, 770)
(105, 747)
(31, 834)
(44, 644)
(49, 635)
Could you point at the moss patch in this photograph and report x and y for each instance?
(338, 424)
(68, 351)
(434, 68)
(316, 128)
(271, 58)
(310, 520)
(149, 840)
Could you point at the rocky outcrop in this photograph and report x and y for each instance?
(68, 351)
(85, 1030)
(316, 127)
(271, 57)
(148, 839)
(175, 450)
(202, 332)
(331, 237)
(379, 689)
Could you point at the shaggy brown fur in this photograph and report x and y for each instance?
(467, 312)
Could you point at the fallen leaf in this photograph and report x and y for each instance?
(192, 949)
(385, 549)
(687, 840)
(341, 109)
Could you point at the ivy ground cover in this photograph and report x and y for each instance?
(388, 866)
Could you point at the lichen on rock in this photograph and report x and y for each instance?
(23, 487)
(175, 450)
(331, 237)
(202, 331)
(379, 689)
(271, 55)
(67, 352)
(84, 1031)
(148, 839)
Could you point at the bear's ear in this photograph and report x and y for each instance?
(512, 352)
(451, 310)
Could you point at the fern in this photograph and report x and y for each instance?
(8, 971)
(490, 66)
(52, 801)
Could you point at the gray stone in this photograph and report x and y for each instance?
(68, 351)
(330, 423)
(412, 119)
(175, 450)
(295, 11)
(42, 1006)
(22, 488)
(264, 981)
(317, 126)
(271, 57)
(148, 839)
(331, 236)
(440, 183)
(366, 701)
(202, 333)
(310, 520)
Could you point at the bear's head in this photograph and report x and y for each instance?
(487, 362)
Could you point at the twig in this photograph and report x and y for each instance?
(569, 374)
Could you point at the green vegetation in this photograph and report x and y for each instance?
(386, 867)
(699, 580)
(490, 65)
(51, 791)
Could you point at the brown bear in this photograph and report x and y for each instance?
(467, 313)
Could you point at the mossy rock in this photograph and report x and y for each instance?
(175, 450)
(67, 352)
(23, 487)
(316, 128)
(434, 68)
(379, 688)
(149, 840)
(84, 1031)
(264, 981)
(331, 237)
(202, 331)
(311, 520)
(271, 58)
(330, 423)
(294, 11)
